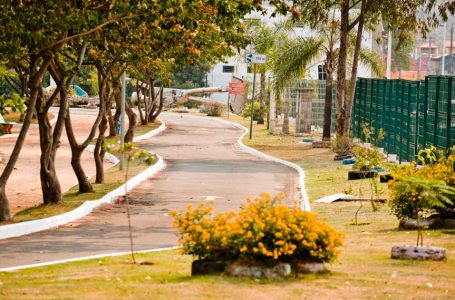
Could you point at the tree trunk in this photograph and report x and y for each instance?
(36, 78)
(160, 107)
(112, 120)
(272, 112)
(142, 117)
(50, 185)
(132, 120)
(326, 134)
(355, 64)
(341, 72)
(98, 153)
(76, 149)
(261, 99)
(76, 152)
(287, 103)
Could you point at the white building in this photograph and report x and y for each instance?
(220, 75)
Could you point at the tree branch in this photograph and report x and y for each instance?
(64, 40)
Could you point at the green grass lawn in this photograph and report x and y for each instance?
(363, 270)
(72, 199)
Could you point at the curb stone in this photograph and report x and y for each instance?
(305, 204)
(24, 228)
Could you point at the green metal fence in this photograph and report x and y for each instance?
(413, 114)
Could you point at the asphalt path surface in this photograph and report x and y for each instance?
(203, 163)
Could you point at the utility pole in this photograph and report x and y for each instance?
(443, 59)
(122, 120)
(451, 50)
(429, 59)
(389, 56)
(419, 50)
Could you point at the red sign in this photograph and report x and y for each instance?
(236, 88)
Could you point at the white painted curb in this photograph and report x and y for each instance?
(112, 158)
(151, 133)
(305, 204)
(23, 228)
(50, 263)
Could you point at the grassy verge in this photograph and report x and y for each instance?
(362, 271)
(72, 199)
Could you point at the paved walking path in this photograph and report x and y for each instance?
(203, 163)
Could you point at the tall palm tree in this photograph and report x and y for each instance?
(265, 40)
(295, 57)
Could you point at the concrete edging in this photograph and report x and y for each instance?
(151, 133)
(62, 261)
(23, 228)
(305, 204)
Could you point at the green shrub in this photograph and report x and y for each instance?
(424, 190)
(246, 113)
(343, 146)
(367, 158)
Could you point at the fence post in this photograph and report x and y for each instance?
(401, 121)
(416, 139)
(449, 113)
(408, 145)
(436, 112)
(425, 114)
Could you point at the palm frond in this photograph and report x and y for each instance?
(373, 61)
(292, 59)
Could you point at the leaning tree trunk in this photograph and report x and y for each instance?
(142, 117)
(341, 70)
(326, 134)
(49, 139)
(98, 152)
(355, 64)
(160, 107)
(34, 84)
(77, 149)
(112, 120)
(132, 118)
(261, 99)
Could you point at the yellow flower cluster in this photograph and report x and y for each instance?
(264, 229)
(426, 187)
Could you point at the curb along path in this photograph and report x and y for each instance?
(24, 228)
(203, 162)
(305, 203)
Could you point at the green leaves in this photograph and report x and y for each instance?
(134, 154)
(16, 103)
(293, 59)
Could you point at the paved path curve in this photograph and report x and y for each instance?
(203, 161)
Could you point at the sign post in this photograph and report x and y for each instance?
(254, 59)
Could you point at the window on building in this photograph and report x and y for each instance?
(322, 75)
(228, 69)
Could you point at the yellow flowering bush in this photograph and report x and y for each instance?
(425, 189)
(264, 230)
